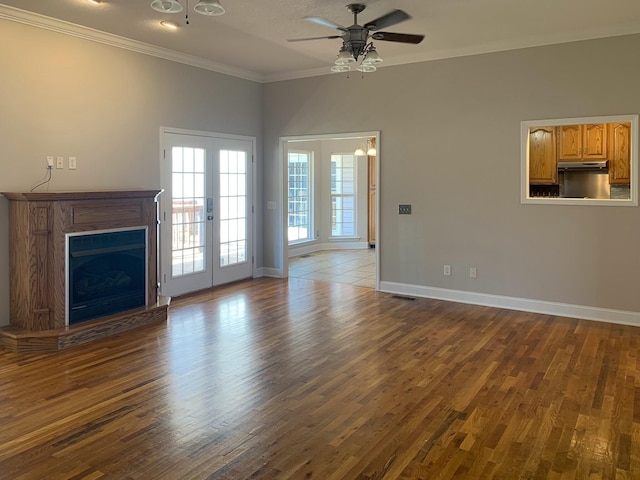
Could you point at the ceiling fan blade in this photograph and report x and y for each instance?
(312, 38)
(398, 37)
(391, 18)
(325, 23)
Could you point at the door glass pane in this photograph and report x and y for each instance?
(233, 207)
(188, 212)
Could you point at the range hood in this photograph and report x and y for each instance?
(593, 165)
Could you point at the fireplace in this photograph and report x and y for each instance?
(82, 266)
(106, 272)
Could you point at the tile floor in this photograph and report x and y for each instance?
(355, 267)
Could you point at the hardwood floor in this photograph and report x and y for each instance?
(269, 379)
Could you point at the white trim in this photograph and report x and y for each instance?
(344, 245)
(524, 161)
(585, 312)
(272, 272)
(318, 247)
(78, 31)
(296, 250)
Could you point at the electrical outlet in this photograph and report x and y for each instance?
(404, 209)
(473, 273)
(50, 161)
(59, 162)
(447, 270)
(72, 163)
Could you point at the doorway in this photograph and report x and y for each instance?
(325, 226)
(206, 210)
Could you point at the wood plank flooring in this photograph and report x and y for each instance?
(277, 379)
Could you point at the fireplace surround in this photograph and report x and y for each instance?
(47, 229)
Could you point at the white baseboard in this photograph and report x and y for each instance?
(346, 245)
(513, 303)
(270, 272)
(305, 249)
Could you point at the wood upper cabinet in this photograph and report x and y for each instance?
(543, 164)
(619, 153)
(582, 142)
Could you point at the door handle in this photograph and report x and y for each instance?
(209, 205)
(209, 217)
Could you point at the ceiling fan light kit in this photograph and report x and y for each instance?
(355, 39)
(166, 6)
(345, 57)
(372, 57)
(203, 7)
(209, 7)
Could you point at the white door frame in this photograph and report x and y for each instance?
(282, 186)
(163, 180)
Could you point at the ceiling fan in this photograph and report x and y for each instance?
(355, 39)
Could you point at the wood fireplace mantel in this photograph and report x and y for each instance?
(39, 223)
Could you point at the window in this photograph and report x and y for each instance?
(343, 195)
(300, 227)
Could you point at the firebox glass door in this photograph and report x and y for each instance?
(206, 212)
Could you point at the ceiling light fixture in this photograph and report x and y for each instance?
(209, 7)
(370, 151)
(371, 147)
(203, 7)
(169, 25)
(95, 2)
(166, 6)
(351, 52)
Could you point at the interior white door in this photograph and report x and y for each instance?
(206, 212)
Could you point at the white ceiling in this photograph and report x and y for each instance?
(250, 39)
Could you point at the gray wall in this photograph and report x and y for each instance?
(450, 146)
(64, 96)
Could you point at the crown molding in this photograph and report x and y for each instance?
(36, 20)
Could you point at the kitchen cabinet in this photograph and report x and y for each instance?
(582, 142)
(543, 161)
(620, 153)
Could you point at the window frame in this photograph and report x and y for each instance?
(310, 197)
(353, 195)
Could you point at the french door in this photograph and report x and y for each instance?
(206, 212)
